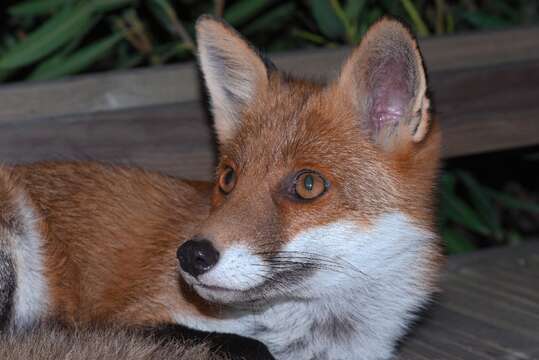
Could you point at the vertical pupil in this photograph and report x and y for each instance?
(308, 182)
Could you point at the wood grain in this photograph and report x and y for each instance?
(479, 315)
(173, 139)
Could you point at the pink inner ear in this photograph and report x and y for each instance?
(390, 91)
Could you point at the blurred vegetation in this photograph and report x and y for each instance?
(474, 215)
(50, 39)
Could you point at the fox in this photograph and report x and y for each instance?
(50, 341)
(316, 238)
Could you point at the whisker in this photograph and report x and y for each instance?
(297, 258)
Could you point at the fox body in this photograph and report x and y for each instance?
(317, 237)
(54, 342)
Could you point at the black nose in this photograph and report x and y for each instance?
(197, 256)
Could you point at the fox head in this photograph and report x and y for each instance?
(318, 187)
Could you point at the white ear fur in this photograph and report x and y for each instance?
(233, 72)
(386, 80)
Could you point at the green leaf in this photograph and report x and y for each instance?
(36, 7)
(309, 36)
(353, 9)
(108, 5)
(326, 18)
(372, 16)
(80, 60)
(459, 212)
(455, 242)
(56, 32)
(513, 202)
(168, 51)
(483, 203)
(484, 21)
(448, 182)
(450, 21)
(503, 8)
(164, 12)
(4, 75)
(242, 11)
(76, 41)
(129, 61)
(350, 30)
(414, 15)
(8, 42)
(271, 19)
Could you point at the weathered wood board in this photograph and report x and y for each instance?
(488, 309)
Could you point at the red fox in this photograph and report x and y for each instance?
(54, 342)
(317, 238)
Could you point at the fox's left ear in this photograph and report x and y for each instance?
(233, 70)
(386, 81)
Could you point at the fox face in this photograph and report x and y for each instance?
(323, 191)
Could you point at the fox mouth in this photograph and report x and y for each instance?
(215, 288)
(272, 289)
(221, 294)
(229, 296)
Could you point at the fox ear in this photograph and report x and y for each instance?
(386, 81)
(233, 71)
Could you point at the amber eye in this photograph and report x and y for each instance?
(310, 185)
(227, 180)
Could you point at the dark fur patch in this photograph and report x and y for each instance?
(296, 346)
(334, 327)
(320, 356)
(259, 329)
(7, 288)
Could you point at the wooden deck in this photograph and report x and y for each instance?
(488, 309)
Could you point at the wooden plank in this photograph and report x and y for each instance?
(179, 83)
(173, 139)
(109, 91)
(489, 108)
(480, 110)
(473, 319)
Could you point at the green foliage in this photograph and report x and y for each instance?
(242, 11)
(73, 63)
(471, 213)
(41, 35)
(327, 19)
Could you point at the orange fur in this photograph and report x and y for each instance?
(111, 235)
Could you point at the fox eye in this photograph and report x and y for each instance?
(227, 180)
(309, 185)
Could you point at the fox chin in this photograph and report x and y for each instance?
(317, 237)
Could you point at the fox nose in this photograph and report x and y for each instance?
(197, 256)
